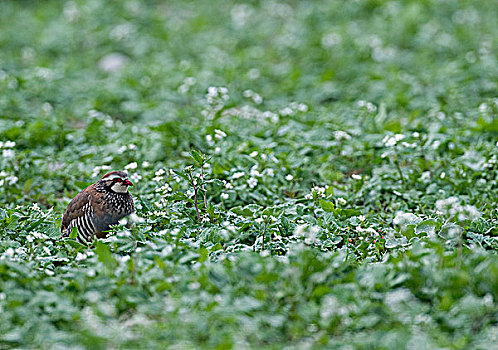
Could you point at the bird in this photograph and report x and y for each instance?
(98, 206)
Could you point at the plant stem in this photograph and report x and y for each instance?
(195, 198)
(263, 240)
(203, 188)
(396, 162)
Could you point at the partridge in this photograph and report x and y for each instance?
(98, 206)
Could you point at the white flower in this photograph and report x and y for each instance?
(390, 141)
(289, 177)
(356, 176)
(341, 201)
(80, 256)
(259, 220)
(160, 172)
(254, 172)
(11, 179)
(113, 62)
(269, 172)
(132, 165)
(212, 91)
(9, 144)
(341, 135)
(209, 138)
(135, 218)
(238, 175)
(219, 134)
(145, 164)
(135, 177)
(8, 153)
(228, 186)
(224, 196)
(408, 145)
(252, 182)
(9, 252)
(247, 93)
(286, 111)
(253, 154)
(257, 99)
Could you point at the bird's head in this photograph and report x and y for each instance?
(116, 181)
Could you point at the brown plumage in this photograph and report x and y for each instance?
(98, 206)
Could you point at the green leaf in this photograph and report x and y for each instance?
(27, 185)
(74, 233)
(105, 256)
(197, 156)
(326, 205)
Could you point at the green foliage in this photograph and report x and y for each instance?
(314, 174)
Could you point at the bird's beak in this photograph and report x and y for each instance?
(127, 182)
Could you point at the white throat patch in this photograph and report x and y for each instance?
(119, 187)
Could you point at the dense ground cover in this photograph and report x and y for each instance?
(344, 154)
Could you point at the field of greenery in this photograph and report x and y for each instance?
(308, 174)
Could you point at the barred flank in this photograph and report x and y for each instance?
(86, 229)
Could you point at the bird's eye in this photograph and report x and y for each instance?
(118, 180)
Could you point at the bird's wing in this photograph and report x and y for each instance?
(76, 209)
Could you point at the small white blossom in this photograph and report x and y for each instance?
(356, 176)
(252, 182)
(224, 196)
(80, 256)
(228, 186)
(8, 153)
(238, 175)
(253, 154)
(341, 135)
(390, 141)
(135, 177)
(219, 134)
(269, 172)
(132, 165)
(286, 111)
(254, 172)
(9, 252)
(289, 177)
(408, 145)
(341, 201)
(11, 179)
